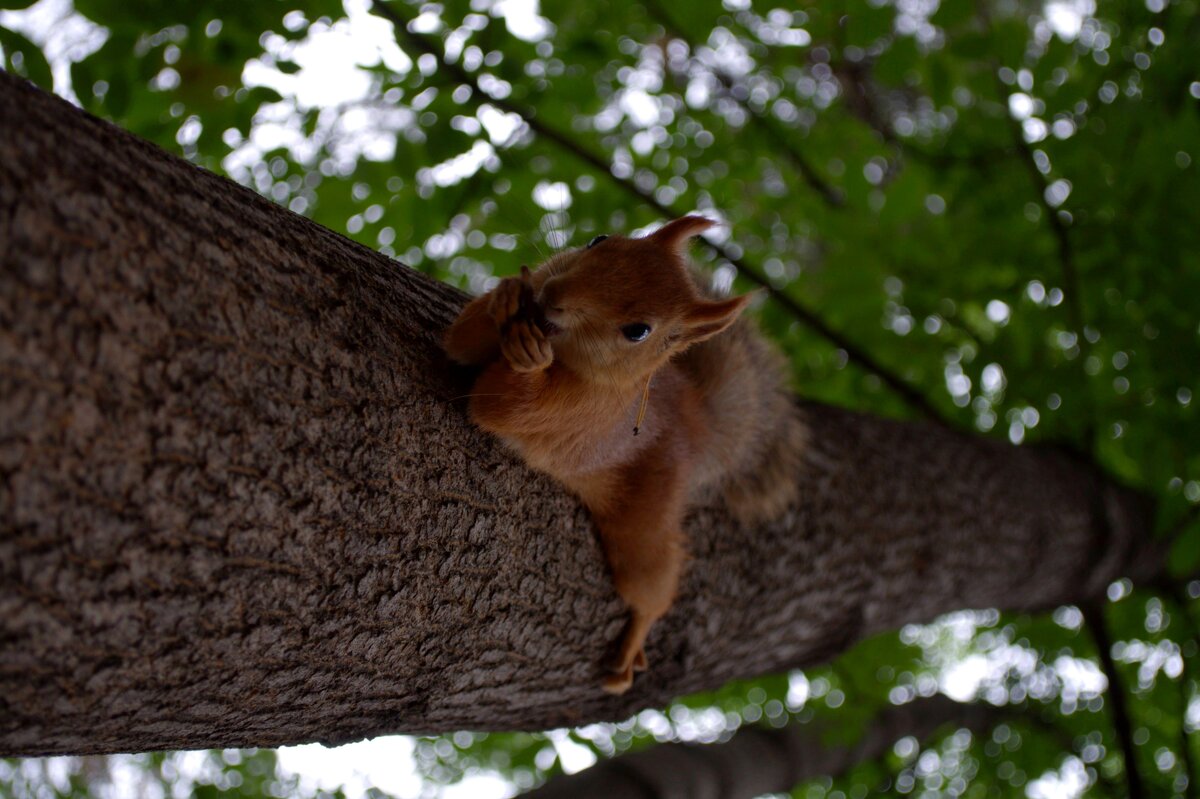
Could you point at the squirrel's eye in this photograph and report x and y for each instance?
(596, 241)
(636, 332)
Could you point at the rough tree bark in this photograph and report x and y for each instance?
(241, 505)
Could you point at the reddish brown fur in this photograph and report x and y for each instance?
(568, 402)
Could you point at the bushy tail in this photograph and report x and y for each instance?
(757, 439)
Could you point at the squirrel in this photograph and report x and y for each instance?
(610, 369)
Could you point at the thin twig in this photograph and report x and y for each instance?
(1185, 739)
(1062, 237)
(1189, 678)
(862, 102)
(1066, 255)
(1093, 616)
(1093, 612)
(910, 395)
(915, 399)
(831, 196)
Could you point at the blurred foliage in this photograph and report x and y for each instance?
(244, 774)
(995, 199)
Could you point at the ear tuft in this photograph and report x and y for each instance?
(676, 233)
(709, 317)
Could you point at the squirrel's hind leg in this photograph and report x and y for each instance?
(644, 547)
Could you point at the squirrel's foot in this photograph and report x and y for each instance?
(525, 347)
(630, 656)
(619, 683)
(621, 678)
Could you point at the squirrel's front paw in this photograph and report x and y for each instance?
(514, 310)
(525, 347)
(506, 303)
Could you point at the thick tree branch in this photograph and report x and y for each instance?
(240, 506)
(761, 760)
(909, 394)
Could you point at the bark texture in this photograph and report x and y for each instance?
(760, 760)
(241, 503)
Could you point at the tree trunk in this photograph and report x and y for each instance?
(242, 504)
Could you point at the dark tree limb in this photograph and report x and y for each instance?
(1076, 315)
(1093, 614)
(1093, 611)
(240, 504)
(1187, 684)
(805, 315)
(760, 760)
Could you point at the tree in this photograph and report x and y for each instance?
(237, 460)
(940, 165)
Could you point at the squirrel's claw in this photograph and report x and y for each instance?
(618, 684)
(623, 669)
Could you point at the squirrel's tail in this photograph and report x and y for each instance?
(756, 439)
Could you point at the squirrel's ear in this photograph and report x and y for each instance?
(709, 317)
(677, 233)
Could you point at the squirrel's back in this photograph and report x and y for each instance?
(756, 439)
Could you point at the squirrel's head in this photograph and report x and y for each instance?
(621, 307)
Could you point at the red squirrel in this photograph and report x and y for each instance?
(609, 369)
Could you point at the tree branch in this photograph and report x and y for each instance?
(1093, 614)
(1062, 237)
(830, 196)
(760, 760)
(910, 395)
(1188, 682)
(240, 506)
(1093, 611)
